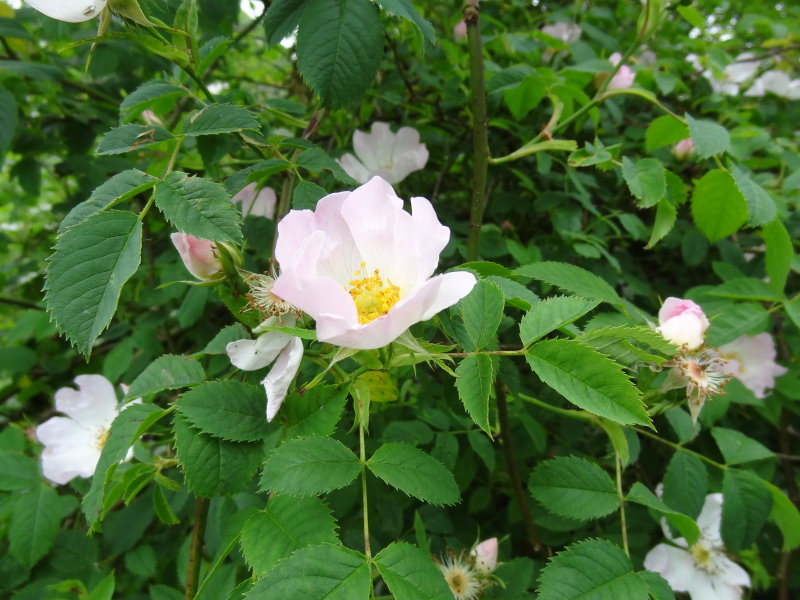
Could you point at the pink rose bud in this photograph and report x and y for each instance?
(682, 322)
(485, 555)
(683, 149)
(624, 77)
(460, 30)
(198, 255)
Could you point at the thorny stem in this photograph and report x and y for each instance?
(513, 471)
(195, 550)
(621, 496)
(480, 140)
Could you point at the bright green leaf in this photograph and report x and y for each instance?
(664, 131)
(214, 119)
(572, 279)
(646, 180)
(779, 255)
(574, 488)
(482, 310)
(786, 516)
(718, 208)
(474, 384)
(760, 205)
(130, 137)
(641, 495)
(146, 96)
(709, 137)
(551, 314)
(737, 448)
(168, 372)
(34, 524)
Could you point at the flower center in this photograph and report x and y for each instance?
(458, 582)
(373, 297)
(102, 436)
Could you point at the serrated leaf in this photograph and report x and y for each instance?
(718, 208)
(735, 320)
(572, 279)
(482, 310)
(147, 95)
(317, 160)
(309, 466)
(685, 484)
(230, 410)
(637, 333)
(314, 412)
(212, 466)
(709, 138)
(323, 572)
(743, 288)
(90, 264)
(641, 495)
(339, 48)
(590, 569)
(124, 431)
(306, 194)
(786, 516)
(779, 255)
(282, 18)
(760, 205)
(405, 10)
(226, 335)
(588, 379)
(214, 119)
(120, 187)
(289, 524)
(414, 472)
(746, 503)
(17, 471)
(666, 215)
(34, 524)
(664, 131)
(573, 487)
(646, 180)
(130, 137)
(737, 448)
(474, 384)
(551, 314)
(411, 574)
(199, 207)
(168, 372)
(657, 586)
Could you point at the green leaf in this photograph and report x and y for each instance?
(199, 207)
(657, 586)
(339, 48)
(309, 466)
(103, 590)
(666, 215)
(317, 160)
(289, 524)
(551, 314)
(737, 448)
(282, 18)
(641, 495)
(214, 119)
(212, 466)
(482, 310)
(642, 334)
(405, 10)
(414, 472)
(411, 574)
(34, 524)
(120, 187)
(8, 121)
(573, 487)
(86, 272)
(474, 384)
(525, 96)
(760, 205)
(709, 138)
(746, 504)
(323, 572)
(226, 335)
(306, 195)
(168, 372)
(588, 379)
(786, 516)
(779, 255)
(147, 96)
(693, 16)
(130, 137)
(718, 209)
(125, 430)
(646, 180)
(17, 472)
(685, 484)
(743, 288)
(736, 320)
(664, 131)
(314, 412)
(590, 569)
(230, 410)
(572, 279)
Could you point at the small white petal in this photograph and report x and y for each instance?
(251, 355)
(71, 11)
(673, 564)
(93, 404)
(281, 375)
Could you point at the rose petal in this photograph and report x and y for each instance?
(71, 11)
(281, 375)
(673, 564)
(93, 404)
(354, 167)
(70, 449)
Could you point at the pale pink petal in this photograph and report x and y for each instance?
(71, 11)
(622, 79)
(246, 194)
(374, 149)
(485, 555)
(354, 167)
(673, 564)
(460, 30)
(199, 256)
(408, 154)
(281, 375)
(261, 204)
(430, 236)
(93, 404)
(710, 520)
(752, 360)
(682, 322)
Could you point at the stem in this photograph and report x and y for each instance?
(784, 569)
(195, 550)
(22, 303)
(516, 480)
(580, 415)
(623, 523)
(675, 446)
(480, 140)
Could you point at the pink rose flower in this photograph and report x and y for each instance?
(71, 11)
(683, 149)
(362, 267)
(393, 156)
(682, 322)
(198, 255)
(460, 30)
(485, 555)
(624, 77)
(751, 359)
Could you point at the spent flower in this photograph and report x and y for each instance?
(392, 156)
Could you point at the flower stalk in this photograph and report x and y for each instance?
(196, 548)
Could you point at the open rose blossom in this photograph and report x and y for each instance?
(71, 11)
(198, 255)
(751, 359)
(393, 156)
(361, 266)
(72, 444)
(682, 322)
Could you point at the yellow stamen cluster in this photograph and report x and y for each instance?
(373, 297)
(102, 437)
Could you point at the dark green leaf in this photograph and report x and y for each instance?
(746, 504)
(146, 96)
(230, 410)
(474, 384)
(168, 372)
(130, 137)
(573, 487)
(572, 279)
(414, 472)
(34, 524)
(282, 19)
(411, 574)
(685, 484)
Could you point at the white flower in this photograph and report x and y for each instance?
(751, 359)
(461, 578)
(71, 11)
(285, 350)
(72, 444)
(566, 32)
(703, 570)
(257, 203)
(682, 322)
(485, 556)
(738, 72)
(393, 156)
